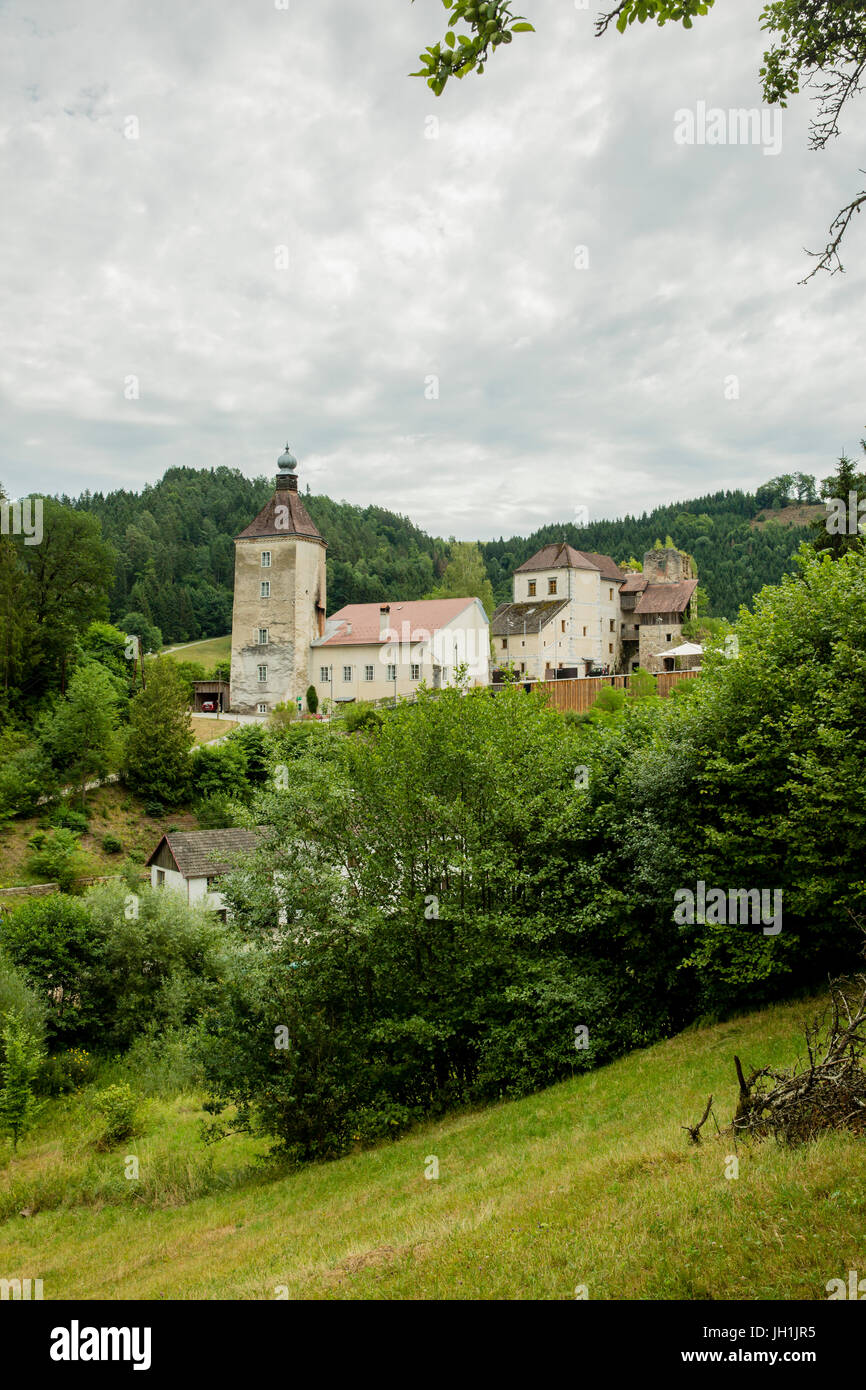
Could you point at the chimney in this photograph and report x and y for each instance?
(384, 619)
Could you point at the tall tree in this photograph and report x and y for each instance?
(81, 732)
(157, 762)
(465, 576)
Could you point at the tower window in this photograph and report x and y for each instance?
(266, 559)
(610, 594)
(347, 673)
(563, 624)
(263, 674)
(368, 673)
(266, 588)
(263, 709)
(263, 636)
(551, 586)
(612, 627)
(505, 644)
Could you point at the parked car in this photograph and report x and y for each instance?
(209, 706)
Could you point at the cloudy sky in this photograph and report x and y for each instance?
(228, 224)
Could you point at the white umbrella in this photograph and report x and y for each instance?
(684, 649)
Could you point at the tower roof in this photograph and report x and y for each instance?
(285, 514)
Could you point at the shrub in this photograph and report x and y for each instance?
(53, 944)
(55, 858)
(66, 1071)
(312, 699)
(21, 1056)
(154, 809)
(16, 996)
(214, 812)
(25, 775)
(112, 844)
(221, 771)
(119, 1109)
(66, 819)
(362, 715)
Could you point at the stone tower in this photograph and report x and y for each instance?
(280, 598)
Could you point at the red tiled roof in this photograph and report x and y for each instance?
(634, 584)
(560, 555)
(359, 622)
(284, 515)
(666, 598)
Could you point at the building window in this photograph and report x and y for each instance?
(584, 632)
(266, 559)
(563, 624)
(532, 588)
(263, 636)
(392, 673)
(415, 671)
(551, 586)
(160, 878)
(263, 709)
(368, 673)
(610, 646)
(667, 637)
(610, 594)
(324, 674)
(266, 588)
(347, 674)
(505, 644)
(612, 627)
(263, 674)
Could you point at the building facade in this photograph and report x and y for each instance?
(280, 599)
(282, 642)
(564, 615)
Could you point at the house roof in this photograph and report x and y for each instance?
(634, 584)
(560, 555)
(512, 618)
(358, 624)
(666, 598)
(206, 853)
(284, 515)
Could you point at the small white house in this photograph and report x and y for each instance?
(192, 862)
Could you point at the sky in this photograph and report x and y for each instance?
(236, 224)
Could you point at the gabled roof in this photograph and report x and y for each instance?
(358, 624)
(561, 555)
(512, 618)
(284, 515)
(634, 584)
(206, 853)
(666, 598)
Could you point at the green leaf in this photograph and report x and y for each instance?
(525, 28)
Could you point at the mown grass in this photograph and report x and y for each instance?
(208, 651)
(590, 1183)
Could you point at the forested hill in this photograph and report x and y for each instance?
(734, 560)
(175, 551)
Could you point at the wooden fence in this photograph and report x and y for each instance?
(581, 695)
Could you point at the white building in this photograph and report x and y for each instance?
(371, 651)
(565, 614)
(191, 862)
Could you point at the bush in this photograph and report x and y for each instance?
(66, 819)
(53, 943)
(17, 997)
(119, 1109)
(362, 715)
(154, 809)
(312, 699)
(56, 858)
(112, 844)
(66, 1071)
(214, 812)
(221, 771)
(25, 775)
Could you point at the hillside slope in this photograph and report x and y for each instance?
(589, 1183)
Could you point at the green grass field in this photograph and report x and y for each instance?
(591, 1183)
(207, 652)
